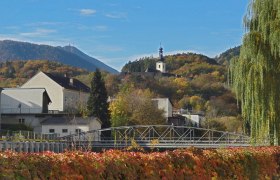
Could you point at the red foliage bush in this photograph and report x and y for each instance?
(192, 163)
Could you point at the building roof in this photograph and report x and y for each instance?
(65, 121)
(67, 84)
(27, 91)
(151, 70)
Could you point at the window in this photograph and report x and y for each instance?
(64, 130)
(158, 66)
(21, 121)
(78, 130)
(51, 130)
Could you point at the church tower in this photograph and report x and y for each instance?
(160, 65)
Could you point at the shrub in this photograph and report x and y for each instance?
(192, 163)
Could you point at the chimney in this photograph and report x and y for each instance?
(71, 81)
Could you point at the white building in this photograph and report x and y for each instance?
(26, 106)
(195, 119)
(24, 101)
(165, 105)
(160, 65)
(65, 93)
(191, 118)
(64, 126)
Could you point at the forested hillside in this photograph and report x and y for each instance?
(14, 73)
(183, 64)
(226, 56)
(201, 86)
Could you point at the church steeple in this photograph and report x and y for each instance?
(160, 65)
(161, 54)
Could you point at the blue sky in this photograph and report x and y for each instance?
(118, 31)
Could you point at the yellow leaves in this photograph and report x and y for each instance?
(181, 82)
(134, 106)
(216, 73)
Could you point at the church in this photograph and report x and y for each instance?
(160, 69)
(160, 65)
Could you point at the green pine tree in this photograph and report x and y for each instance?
(256, 74)
(97, 103)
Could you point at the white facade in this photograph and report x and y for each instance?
(195, 119)
(63, 128)
(161, 66)
(62, 99)
(58, 129)
(165, 105)
(55, 91)
(23, 101)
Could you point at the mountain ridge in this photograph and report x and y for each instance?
(16, 50)
(88, 58)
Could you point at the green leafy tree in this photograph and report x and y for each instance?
(256, 74)
(97, 103)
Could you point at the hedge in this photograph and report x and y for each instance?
(228, 163)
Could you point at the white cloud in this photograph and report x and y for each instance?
(56, 42)
(100, 28)
(45, 23)
(11, 37)
(38, 33)
(87, 12)
(12, 27)
(118, 15)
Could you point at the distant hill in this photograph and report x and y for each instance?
(14, 50)
(183, 64)
(15, 73)
(226, 56)
(201, 86)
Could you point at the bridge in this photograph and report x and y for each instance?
(156, 136)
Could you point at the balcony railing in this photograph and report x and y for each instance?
(21, 110)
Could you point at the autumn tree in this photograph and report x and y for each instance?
(97, 103)
(257, 74)
(135, 107)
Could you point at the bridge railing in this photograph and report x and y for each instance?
(161, 134)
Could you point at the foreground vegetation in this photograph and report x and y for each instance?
(231, 163)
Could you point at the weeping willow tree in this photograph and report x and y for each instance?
(256, 73)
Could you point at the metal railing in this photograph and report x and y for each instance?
(7, 135)
(161, 136)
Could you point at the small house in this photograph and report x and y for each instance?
(64, 126)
